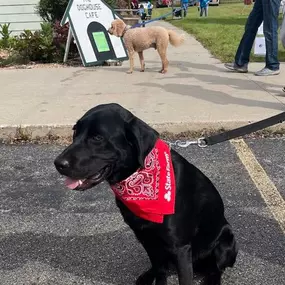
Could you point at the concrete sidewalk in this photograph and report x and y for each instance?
(196, 93)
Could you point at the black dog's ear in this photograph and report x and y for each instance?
(139, 134)
(143, 137)
(74, 132)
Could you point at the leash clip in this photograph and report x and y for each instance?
(185, 144)
(201, 142)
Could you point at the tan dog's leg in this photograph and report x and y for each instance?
(131, 57)
(164, 61)
(161, 45)
(142, 61)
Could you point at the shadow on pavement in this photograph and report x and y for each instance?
(215, 97)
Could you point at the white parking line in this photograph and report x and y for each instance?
(266, 187)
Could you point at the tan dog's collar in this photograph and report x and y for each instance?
(125, 29)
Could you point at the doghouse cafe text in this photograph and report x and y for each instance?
(89, 9)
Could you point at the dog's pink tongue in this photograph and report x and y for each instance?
(72, 184)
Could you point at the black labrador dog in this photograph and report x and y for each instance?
(111, 144)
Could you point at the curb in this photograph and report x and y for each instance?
(54, 133)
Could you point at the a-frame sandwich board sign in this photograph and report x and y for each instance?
(89, 21)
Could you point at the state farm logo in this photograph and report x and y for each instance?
(167, 186)
(167, 196)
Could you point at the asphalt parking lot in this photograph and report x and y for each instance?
(50, 235)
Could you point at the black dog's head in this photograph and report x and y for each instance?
(109, 143)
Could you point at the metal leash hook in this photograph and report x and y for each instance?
(201, 142)
(185, 144)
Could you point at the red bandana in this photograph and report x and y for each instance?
(150, 192)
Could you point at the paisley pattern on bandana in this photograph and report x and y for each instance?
(150, 192)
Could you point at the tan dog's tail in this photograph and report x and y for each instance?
(175, 39)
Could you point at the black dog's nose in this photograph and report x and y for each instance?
(61, 164)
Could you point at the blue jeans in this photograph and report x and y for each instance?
(185, 8)
(268, 12)
(204, 10)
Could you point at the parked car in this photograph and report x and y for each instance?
(214, 2)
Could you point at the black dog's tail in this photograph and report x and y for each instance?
(226, 249)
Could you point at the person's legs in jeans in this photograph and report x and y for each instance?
(270, 30)
(253, 22)
(206, 11)
(185, 7)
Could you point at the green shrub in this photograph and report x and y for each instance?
(51, 10)
(12, 59)
(112, 3)
(5, 33)
(36, 46)
(60, 34)
(46, 45)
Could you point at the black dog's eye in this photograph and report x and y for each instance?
(97, 138)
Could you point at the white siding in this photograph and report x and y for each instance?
(20, 14)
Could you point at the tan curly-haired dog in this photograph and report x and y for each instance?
(140, 39)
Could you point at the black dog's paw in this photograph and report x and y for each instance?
(212, 280)
(146, 278)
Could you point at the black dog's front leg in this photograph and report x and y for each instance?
(158, 270)
(150, 275)
(146, 278)
(184, 266)
(159, 262)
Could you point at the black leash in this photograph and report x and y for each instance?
(245, 130)
(232, 134)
